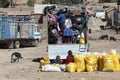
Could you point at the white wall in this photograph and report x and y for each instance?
(38, 8)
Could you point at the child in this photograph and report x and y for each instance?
(57, 60)
(75, 34)
(67, 31)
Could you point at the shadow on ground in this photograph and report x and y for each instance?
(37, 59)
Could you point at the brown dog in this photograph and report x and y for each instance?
(102, 37)
(112, 38)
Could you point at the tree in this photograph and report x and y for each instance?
(31, 2)
(75, 1)
(114, 0)
(108, 0)
(4, 3)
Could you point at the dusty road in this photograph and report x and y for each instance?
(26, 69)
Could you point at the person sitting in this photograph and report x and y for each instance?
(69, 57)
(57, 60)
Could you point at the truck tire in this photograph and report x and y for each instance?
(16, 44)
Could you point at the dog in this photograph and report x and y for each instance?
(15, 57)
(112, 38)
(103, 37)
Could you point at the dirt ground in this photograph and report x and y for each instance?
(27, 69)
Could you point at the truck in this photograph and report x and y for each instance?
(113, 18)
(62, 49)
(17, 31)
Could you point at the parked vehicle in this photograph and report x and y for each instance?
(15, 32)
(57, 44)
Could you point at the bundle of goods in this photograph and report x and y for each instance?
(79, 60)
(44, 61)
(91, 63)
(111, 62)
(50, 68)
(87, 62)
(71, 67)
(45, 66)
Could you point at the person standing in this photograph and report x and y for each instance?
(61, 20)
(68, 30)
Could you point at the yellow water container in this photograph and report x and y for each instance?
(82, 40)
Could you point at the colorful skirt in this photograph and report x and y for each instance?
(67, 32)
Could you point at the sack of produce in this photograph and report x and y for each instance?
(44, 61)
(108, 64)
(118, 54)
(91, 62)
(119, 59)
(71, 67)
(50, 68)
(115, 58)
(100, 63)
(79, 60)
